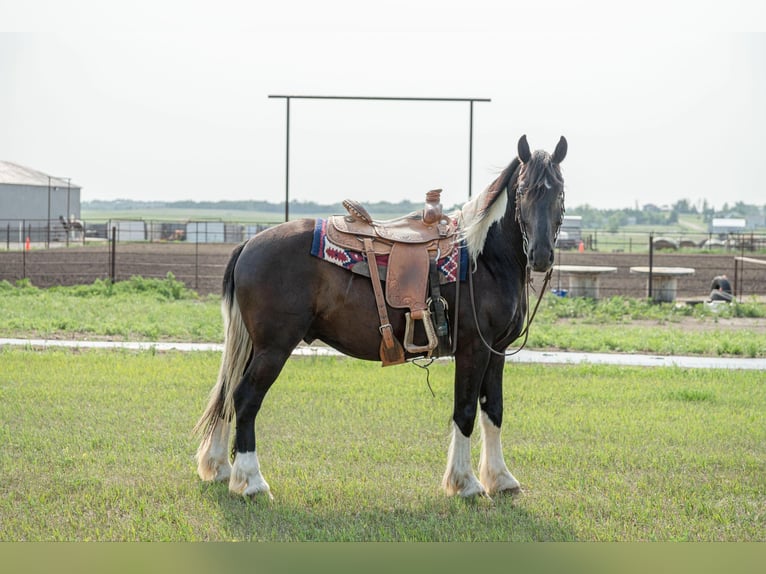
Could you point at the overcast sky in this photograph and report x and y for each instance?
(168, 100)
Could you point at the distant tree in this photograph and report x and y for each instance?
(614, 222)
(682, 206)
(685, 206)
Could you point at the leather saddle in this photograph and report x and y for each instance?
(413, 244)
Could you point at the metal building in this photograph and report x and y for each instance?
(32, 195)
(35, 205)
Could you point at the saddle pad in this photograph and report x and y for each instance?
(354, 260)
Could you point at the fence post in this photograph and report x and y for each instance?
(113, 253)
(23, 261)
(196, 261)
(651, 262)
(742, 258)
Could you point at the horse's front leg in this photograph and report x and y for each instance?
(493, 472)
(459, 477)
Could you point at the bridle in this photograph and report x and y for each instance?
(520, 191)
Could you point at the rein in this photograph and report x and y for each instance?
(529, 318)
(527, 281)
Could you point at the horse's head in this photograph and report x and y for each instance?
(540, 201)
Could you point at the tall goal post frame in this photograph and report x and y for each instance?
(288, 98)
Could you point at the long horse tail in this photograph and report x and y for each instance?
(237, 348)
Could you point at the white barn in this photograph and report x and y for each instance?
(725, 225)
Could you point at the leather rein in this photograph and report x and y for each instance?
(527, 282)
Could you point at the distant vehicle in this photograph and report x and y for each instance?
(570, 234)
(564, 241)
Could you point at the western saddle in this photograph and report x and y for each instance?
(413, 244)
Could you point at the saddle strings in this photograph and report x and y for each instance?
(425, 366)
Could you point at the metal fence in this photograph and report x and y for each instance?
(197, 252)
(22, 233)
(639, 241)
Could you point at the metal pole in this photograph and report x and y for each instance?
(114, 254)
(287, 98)
(470, 150)
(48, 239)
(287, 163)
(68, 191)
(196, 262)
(651, 262)
(742, 268)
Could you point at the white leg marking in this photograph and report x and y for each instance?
(493, 472)
(246, 478)
(213, 454)
(459, 478)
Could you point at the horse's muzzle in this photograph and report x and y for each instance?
(540, 258)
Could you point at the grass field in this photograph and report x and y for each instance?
(163, 309)
(185, 214)
(97, 446)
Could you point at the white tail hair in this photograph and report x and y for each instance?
(237, 348)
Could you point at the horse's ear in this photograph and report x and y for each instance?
(523, 148)
(561, 151)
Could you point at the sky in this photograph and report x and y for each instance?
(169, 99)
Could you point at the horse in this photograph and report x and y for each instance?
(72, 225)
(275, 295)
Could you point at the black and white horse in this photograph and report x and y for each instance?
(275, 295)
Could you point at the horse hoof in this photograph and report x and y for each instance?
(474, 493)
(223, 474)
(512, 492)
(261, 495)
(214, 473)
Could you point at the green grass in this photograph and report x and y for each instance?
(96, 446)
(138, 309)
(163, 309)
(626, 325)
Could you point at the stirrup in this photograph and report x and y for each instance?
(409, 334)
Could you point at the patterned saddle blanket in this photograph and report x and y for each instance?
(355, 261)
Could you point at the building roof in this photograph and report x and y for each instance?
(730, 222)
(14, 174)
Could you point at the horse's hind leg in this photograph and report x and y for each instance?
(246, 478)
(213, 454)
(493, 472)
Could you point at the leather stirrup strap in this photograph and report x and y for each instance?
(440, 311)
(391, 350)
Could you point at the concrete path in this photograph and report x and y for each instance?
(524, 356)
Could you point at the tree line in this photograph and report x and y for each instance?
(592, 217)
(650, 214)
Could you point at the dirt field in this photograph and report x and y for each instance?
(751, 280)
(201, 267)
